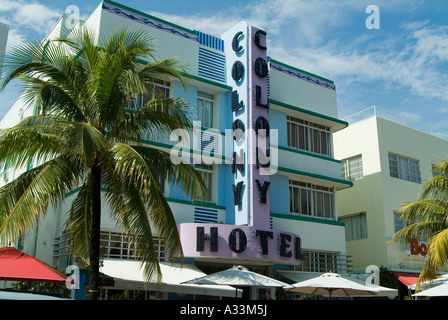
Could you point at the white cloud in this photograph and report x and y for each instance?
(419, 65)
(312, 35)
(26, 18)
(7, 5)
(36, 16)
(206, 24)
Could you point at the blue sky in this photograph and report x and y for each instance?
(401, 67)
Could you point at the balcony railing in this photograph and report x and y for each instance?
(398, 118)
(323, 261)
(114, 245)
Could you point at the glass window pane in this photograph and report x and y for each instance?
(355, 226)
(304, 205)
(291, 197)
(303, 138)
(327, 205)
(205, 109)
(295, 198)
(293, 142)
(318, 204)
(404, 168)
(324, 143)
(316, 141)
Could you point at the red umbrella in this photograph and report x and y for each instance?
(16, 265)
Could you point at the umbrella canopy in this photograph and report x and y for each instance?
(439, 291)
(129, 274)
(237, 276)
(430, 283)
(297, 276)
(331, 284)
(16, 265)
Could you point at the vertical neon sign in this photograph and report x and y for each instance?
(247, 72)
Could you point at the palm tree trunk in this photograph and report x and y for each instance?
(94, 267)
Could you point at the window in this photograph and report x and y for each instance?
(118, 245)
(162, 182)
(205, 109)
(351, 168)
(308, 136)
(322, 261)
(404, 168)
(436, 172)
(401, 224)
(161, 89)
(398, 222)
(355, 226)
(206, 172)
(114, 244)
(309, 199)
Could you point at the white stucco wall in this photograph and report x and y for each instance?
(377, 193)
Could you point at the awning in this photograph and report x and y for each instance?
(129, 274)
(298, 276)
(16, 265)
(408, 279)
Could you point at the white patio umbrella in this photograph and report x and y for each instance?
(331, 284)
(237, 276)
(439, 291)
(430, 283)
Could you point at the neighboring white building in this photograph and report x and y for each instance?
(387, 162)
(4, 29)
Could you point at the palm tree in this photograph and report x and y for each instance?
(428, 217)
(84, 136)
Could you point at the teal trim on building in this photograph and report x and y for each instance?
(145, 15)
(317, 176)
(307, 219)
(340, 123)
(302, 74)
(300, 70)
(306, 153)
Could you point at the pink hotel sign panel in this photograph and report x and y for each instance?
(251, 237)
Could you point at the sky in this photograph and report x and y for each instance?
(394, 57)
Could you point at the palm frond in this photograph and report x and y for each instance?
(29, 195)
(131, 214)
(435, 188)
(424, 217)
(159, 116)
(438, 249)
(166, 69)
(49, 77)
(78, 224)
(81, 139)
(80, 88)
(30, 139)
(428, 217)
(182, 175)
(136, 172)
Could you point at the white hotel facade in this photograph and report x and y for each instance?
(277, 218)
